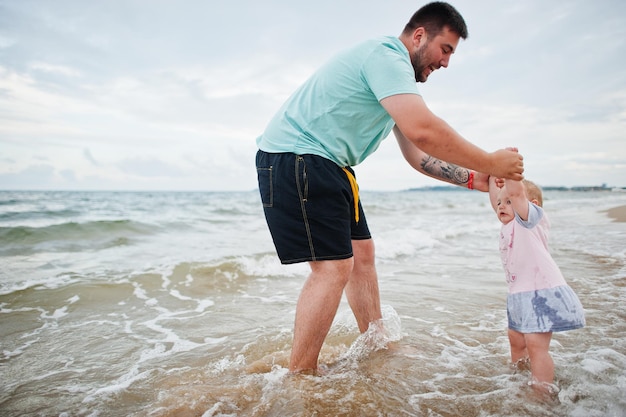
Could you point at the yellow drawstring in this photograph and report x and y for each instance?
(355, 192)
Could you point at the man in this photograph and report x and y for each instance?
(334, 121)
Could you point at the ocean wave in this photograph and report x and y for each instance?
(228, 275)
(10, 216)
(71, 236)
(9, 202)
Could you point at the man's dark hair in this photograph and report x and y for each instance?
(433, 17)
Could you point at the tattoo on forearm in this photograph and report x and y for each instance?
(443, 170)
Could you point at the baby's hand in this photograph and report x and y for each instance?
(499, 182)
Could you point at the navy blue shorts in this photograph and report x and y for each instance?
(309, 207)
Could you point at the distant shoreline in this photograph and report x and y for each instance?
(544, 188)
(618, 214)
(254, 190)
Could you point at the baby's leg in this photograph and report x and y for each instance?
(518, 346)
(541, 364)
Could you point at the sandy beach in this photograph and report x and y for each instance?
(618, 213)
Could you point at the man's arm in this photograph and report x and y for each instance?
(430, 166)
(434, 136)
(438, 169)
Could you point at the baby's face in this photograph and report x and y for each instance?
(504, 209)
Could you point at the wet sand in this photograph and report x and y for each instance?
(618, 214)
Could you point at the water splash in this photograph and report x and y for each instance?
(378, 336)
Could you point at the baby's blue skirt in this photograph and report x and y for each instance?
(541, 311)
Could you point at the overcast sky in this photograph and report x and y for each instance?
(171, 95)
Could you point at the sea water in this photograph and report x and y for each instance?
(174, 304)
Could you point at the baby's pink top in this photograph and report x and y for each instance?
(525, 256)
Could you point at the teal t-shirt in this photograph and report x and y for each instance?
(336, 113)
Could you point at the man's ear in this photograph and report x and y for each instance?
(419, 36)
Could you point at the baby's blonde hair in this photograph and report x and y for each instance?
(533, 192)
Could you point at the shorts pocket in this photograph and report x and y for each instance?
(266, 186)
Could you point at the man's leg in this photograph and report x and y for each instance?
(316, 309)
(362, 288)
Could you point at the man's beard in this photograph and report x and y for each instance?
(418, 60)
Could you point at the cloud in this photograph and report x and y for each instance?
(35, 177)
(115, 101)
(6, 42)
(89, 157)
(148, 167)
(55, 69)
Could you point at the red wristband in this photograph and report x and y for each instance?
(470, 181)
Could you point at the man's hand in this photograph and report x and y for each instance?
(508, 164)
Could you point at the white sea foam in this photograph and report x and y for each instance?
(268, 265)
(203, 305)
(139, 292)
(58, 313)
(7, 354)
(132, 376)
(176, 293)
